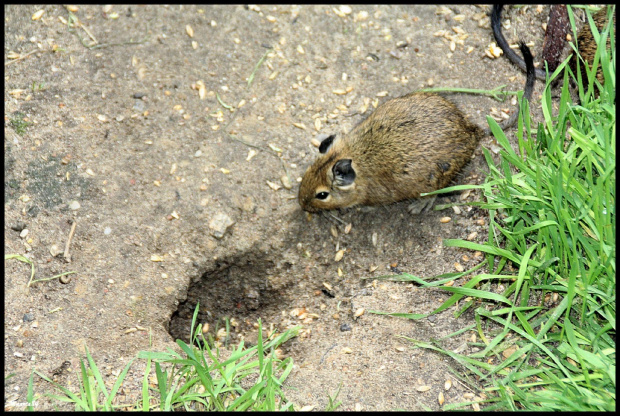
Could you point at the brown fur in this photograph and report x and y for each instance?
(412, 144)
(587, 44)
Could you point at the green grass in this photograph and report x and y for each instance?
(197, 379)
(18, 123)
(545, 313)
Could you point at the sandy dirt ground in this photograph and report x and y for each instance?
(174, 139)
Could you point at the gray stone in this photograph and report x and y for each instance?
(219, 224)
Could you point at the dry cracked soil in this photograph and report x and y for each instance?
(163, 147)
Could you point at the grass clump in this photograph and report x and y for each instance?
(19, 124)
(197, 379)
(545, 314)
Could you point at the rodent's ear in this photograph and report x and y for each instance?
(344, 174)
(326, 143)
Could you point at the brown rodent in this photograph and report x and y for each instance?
(409, 145)
(585, 43)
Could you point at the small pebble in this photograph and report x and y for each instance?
(54, 250)
(107, 230)
(345, 327)
(65, 279)
(139, 106)
(75, 205)
(24, 233)
(220, 224)
(28, 317)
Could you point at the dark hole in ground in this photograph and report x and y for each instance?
(239, 289)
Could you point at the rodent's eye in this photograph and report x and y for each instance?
(322, 195)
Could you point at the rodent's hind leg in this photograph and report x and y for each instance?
(421, 205)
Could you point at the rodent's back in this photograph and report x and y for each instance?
(409, 145)
(412, 144)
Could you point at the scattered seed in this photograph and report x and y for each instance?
(275, 148)
(273, 186)
(317, 124)
(286, 182)
(130, 330)
(493, 51)
(37, 15)
(347, 228)
(468, 396)
(205, 328)
(75, 205)
(422, 389)
(251, 154)
(456, 210)
(450, 283)
(300, 49)
(400, 349)
(374, 239)
(465, 258)
(334, 231)
(347, 350)
(344, 9)
(459, 268)
(225, 171)
(372, 268)
(155, 257)
(189, 31)
(480, 222)
(339, 91)
(221, 334)
(300, 125)
(359, 312)
(339, 255)
(273, 75)
(361, 16)
(202, 89)
(476, 407)
(445, 220)
(472, 236)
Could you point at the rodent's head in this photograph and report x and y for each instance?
(329, 183)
